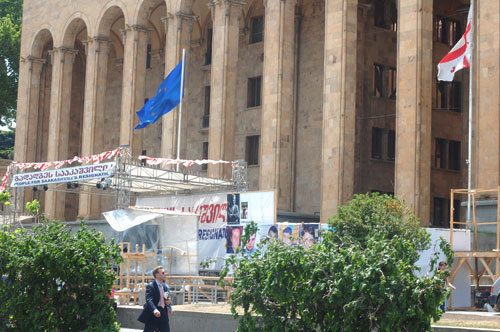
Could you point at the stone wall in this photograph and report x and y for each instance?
(312, 170)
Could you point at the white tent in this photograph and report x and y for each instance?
(172, 236)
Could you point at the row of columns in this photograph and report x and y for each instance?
(337, 163)
(413, 121)
(414, 58)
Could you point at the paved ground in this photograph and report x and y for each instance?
(490, 319)
(473, 319)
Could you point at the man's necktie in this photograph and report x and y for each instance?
(162, 301)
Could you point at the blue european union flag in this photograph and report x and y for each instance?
(166, 98)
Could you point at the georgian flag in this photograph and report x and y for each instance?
(460, 55)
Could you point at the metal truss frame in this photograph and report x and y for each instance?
(132, 178)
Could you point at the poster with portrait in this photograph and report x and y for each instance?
(244, 211)
(268, 231)
(257, 206)
(233, 238)
(289, 233)
(233, 209)
(216, 211)
(251, 246)
(308, 235)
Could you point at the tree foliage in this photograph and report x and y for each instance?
(11, 12)
(360, 277)
(7, 139)
(55, 281)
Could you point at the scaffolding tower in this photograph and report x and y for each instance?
(483, 261)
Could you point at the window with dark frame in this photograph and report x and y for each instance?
(377, 134)
(441, 212)
(148, 57)
(447, 154)
(391, 145)
(449, 96)
(208, 55)
(447, 30)
(386, 14)
(391, 82)
(252, 150)
(378, 78)
(206, 109)
(384, 81)
(454, 149)
(254, 91)
(204, 153)
(440, 153)
(383, 144)
(257, 29)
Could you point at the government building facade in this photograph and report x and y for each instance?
(322, 98)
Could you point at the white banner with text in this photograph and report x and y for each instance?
(215, 212)
(70, 174)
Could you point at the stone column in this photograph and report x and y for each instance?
(178, 27)
(413, 106)
(135, 39)
(93, 114)
(60, 104)
(277, 100)
(30, 118)
(226, 17)
(486, 69)
(339, 105)
(23, 106)
(27, 114)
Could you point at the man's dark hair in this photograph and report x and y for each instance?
(287, 230)
(156, 270)
(307, 229)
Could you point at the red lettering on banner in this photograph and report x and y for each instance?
(217, 212)
(203, 213)
(210, 213)
(211, 217)
(223, 209)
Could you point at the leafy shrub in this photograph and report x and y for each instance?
(5, 197)
(359, 278)
(55, 281)
(33, 207)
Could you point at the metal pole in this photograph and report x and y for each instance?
(180, 108)
(469, 143)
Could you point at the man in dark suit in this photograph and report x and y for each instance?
(158, 304)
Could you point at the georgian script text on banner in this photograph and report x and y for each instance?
(71, 174)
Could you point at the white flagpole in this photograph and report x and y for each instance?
(180, 108)
(469, 152)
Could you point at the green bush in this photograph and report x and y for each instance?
(5, 197)
(55, 281)
(359, 278)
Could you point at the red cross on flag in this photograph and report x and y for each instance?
(460, 55)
